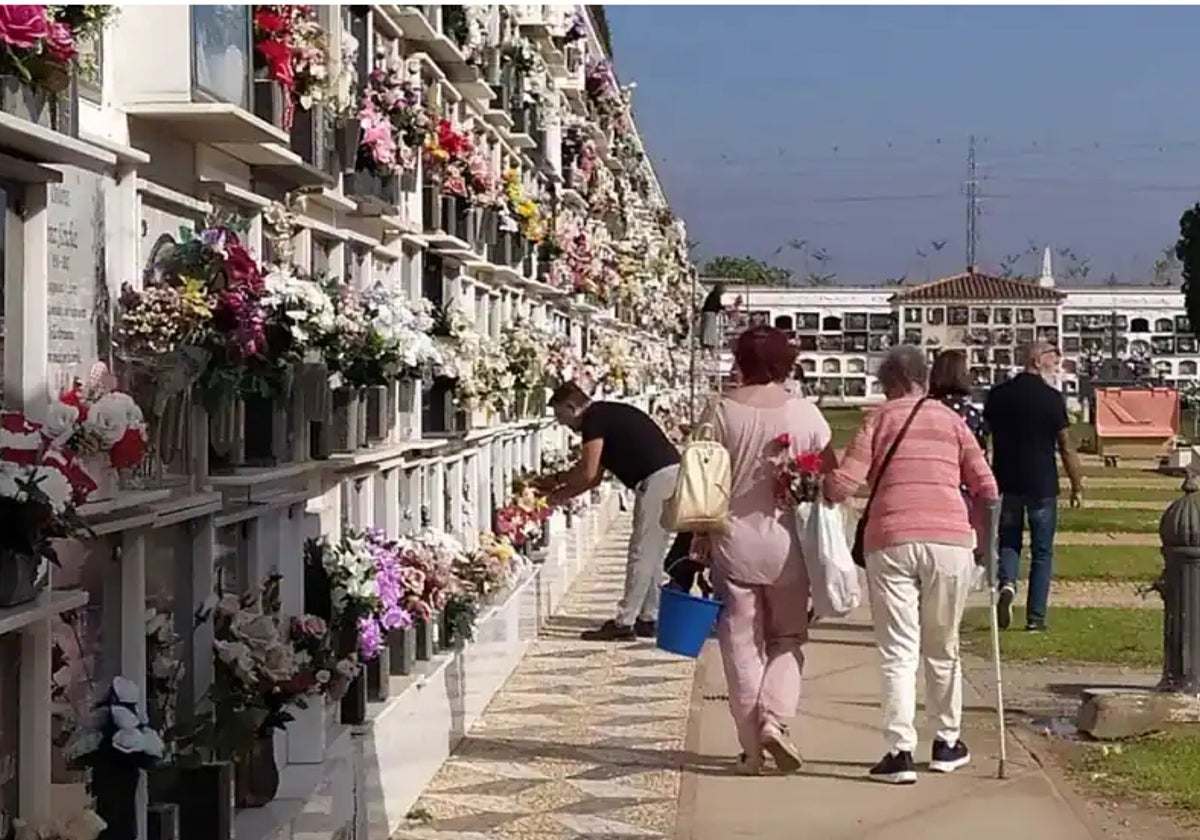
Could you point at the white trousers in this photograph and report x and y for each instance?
(918, 592)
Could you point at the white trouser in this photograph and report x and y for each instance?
(918, 592)
(648, 544)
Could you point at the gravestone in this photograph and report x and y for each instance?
(76, 286)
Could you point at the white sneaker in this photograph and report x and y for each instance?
(779, 746)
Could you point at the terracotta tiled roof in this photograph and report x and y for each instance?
(971, 286)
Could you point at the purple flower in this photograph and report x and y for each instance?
(370, 638)
(395, 618)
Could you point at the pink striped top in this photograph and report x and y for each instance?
(919, 499)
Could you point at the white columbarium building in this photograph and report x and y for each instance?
(843, 332)
(107, 174)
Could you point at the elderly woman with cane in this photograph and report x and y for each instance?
(918, 545)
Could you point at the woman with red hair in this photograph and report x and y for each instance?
(757, 569)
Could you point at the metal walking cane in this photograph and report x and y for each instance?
(993, 560)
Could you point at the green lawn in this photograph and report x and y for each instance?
(1155, 478)
(843, 422)
(1163, 768)
(1109, 520)
(1104, 562)
(1132, 493)
(1108, 635)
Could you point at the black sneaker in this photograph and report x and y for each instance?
(609, 631)
(645, 629)
(895, 768)
(1004, 605)
(946, 758)
(1035, 627)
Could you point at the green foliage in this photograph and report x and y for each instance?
(1187, 251)
(748, 270)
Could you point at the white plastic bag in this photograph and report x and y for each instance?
(832, 574)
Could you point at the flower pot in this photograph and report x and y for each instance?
(203, 794)
(265, 431)
(447, 640)
(354, 704)
(431, 206)
(162, 821)
(402, 651)
(380, 413)
(347, 138)
(115, 790)
(40, 105)
(463, 219)
(101, 470)
(306, 732)
(22, 578)
(379, 677)
(448, 217)
(425, 640)
(406, 408)
(255, 775)
(348, 405)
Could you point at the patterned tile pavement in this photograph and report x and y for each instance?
(585, 740)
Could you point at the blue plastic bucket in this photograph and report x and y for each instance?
(685, 622)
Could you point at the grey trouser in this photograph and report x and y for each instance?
(648, 546)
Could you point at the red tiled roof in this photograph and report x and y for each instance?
(971, 286)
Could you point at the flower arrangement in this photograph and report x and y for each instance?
(389, 612)
(350, 568)
(164, 670)
(612, 363)
(320, 672)
(460, 166)
(798, 477)
(523, 519)
(562, 362)
(40, 488)
(491, 568)
(160, 318)
(300, 306)
(41, 42)
(524, 347)
(461, 354)
(290, 46)
(519, 212)
(394, 122)
(378, 336)
(93, 418)
(118, 735)
(427, 563)
(80, 825)
(254, 674)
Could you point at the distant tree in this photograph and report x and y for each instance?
(814, 278)
(748, 270)
(1187, 251)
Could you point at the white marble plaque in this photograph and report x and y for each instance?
(76, 285)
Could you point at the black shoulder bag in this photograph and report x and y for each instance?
(856, 551)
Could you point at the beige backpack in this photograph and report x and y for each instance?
(700, 503)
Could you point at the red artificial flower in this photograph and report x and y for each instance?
(278, 55)
(72, 398)
(23, 27)
(270, 22)
(16, 423)
(241, 267)
(60, 42)
(451, 141)
(129, 451)
(809, 462)
(783, 439)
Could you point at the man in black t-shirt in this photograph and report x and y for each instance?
(1028, 421)
(625, 441)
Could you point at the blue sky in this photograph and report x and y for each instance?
(847, 127)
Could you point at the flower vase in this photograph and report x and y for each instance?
(402, 651)
(162, 821)
(306, 732)
(379, 677)
(348, 133)
(425, 640)
(378, 413)
(101, 471)
(255, 775)
(354, 705)
(22, 577)
(345, 424)
(203, 794)
(115, 790)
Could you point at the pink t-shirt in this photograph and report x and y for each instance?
(760, 546)
(919, 498)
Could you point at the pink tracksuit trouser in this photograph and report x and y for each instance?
(760, 633)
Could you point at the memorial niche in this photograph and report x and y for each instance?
(77, 299)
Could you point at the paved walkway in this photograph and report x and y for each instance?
(619, 741)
